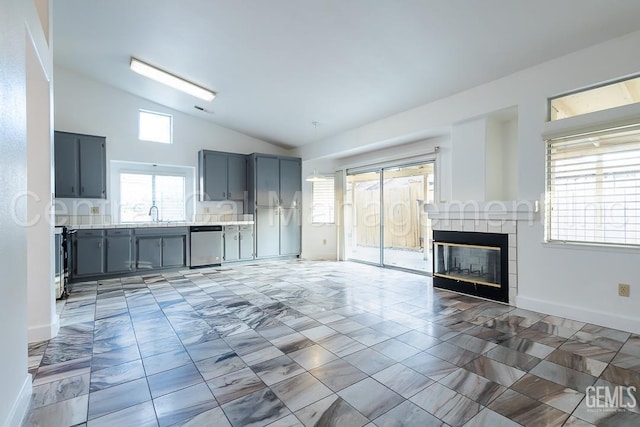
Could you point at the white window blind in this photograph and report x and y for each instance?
(139, 191)
(593, 184)
(323, 196)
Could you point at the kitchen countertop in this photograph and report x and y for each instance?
(155, 224)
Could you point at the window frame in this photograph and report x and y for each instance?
(154, 195)
(332, 214)
(117, 167)
(599, 175)
(587, 89)
(142, 111)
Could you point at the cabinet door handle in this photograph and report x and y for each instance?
(82, 189)
(72, 188)
(99, 244)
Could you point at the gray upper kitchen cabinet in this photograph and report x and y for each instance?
(92, 167)
(290, 183)
(149, 253)
(237, 177)
(173, 251)
(80, 165)
(222, 176)
(119, 251)
(66, 164)
(88, 248)
(274, 181)
(267, 183)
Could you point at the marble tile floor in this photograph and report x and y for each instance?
(293, 343)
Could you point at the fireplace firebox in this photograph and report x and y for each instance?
(472, 263)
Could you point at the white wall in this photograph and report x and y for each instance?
(318, 240)
(85, 106)
(563, 280)
(19, 24)
(42, 316)
(468, 144)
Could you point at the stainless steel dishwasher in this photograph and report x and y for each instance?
(206, 245)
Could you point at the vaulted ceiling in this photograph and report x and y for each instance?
(280, 65)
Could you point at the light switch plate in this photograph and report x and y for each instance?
(95, 210)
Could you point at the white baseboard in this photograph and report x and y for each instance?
(601, 318)
(44, 332)
(20, 406)
(319, 257)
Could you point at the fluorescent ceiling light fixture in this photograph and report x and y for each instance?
(316, 177)
(171, 80)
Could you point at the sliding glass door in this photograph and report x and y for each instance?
(385, 222)
(407, 231)
(362, 217)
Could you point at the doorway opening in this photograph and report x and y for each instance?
(385, 222)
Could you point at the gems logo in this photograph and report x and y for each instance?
(605, 399)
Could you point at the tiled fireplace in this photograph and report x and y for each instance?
(475, 247)
(472, 263)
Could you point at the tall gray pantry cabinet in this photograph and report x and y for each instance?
(80, 166)
(275, 200)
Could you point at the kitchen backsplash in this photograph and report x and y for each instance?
(98, 212)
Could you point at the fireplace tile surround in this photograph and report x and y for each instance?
(500, 226)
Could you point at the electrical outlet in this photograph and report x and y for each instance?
(95, 210)
(624, 290)
(324, 241)
(206, 209)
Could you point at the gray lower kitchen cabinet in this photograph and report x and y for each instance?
(80, 166)
(238, 242)
(119, 254)
(161, 250)
(173, 251)
(89, 255)
(246, 242)
(231, 243)
(267, 232)
(148, 253)
(290, 231)
(96, 253)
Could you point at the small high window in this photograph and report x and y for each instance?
(155, 127)
(599, 98)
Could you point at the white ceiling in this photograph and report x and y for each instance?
(280, 65)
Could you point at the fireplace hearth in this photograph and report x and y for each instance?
(473, 263)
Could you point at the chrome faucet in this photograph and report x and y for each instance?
(157, 217)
